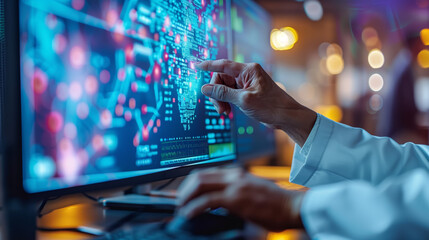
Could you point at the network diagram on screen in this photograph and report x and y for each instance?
(109, 89)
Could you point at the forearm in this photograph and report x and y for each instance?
(294, 119)
(338, 152)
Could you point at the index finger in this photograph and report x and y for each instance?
(222, 66)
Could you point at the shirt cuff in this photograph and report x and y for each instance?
(306, 159)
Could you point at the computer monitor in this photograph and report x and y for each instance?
(108, 93)
(251, 27)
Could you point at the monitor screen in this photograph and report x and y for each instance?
(109, 89)
(251, 28)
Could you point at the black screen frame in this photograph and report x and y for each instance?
(11, 137)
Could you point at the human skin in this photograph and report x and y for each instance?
(251, 89)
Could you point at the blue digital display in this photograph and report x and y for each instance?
(109, 89)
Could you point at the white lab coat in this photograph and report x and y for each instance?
(362, 186)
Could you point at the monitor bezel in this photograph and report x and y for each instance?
(11, 137)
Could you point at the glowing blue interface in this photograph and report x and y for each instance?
(251, 26)
(109, 89)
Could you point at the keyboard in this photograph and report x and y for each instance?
(157, 231)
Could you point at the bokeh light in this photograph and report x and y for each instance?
(40, 81)
(42, 166)
(376, 82)
(423, 58)
(54, 122)
(334, 64)
(313, 9)
(421, 90)
(77, 57)
(370, 37)
(78, 4)
(332, 112)
(334, 49)
(375, 103)
(424, 35)
(82, 110)
(283, 39)
(75, 91)
(376, 58)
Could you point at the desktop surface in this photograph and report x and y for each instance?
(109, 89)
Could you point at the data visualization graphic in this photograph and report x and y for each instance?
(110, 89)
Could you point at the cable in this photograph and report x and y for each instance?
(43, 204)
(91, 197)
(162, 186)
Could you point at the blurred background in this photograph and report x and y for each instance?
(363, 63)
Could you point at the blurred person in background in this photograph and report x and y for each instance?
(362, 186)
(398, 118)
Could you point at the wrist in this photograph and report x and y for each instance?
(293, 209)
(296, 120)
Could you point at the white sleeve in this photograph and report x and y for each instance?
(398, 208)
(335, 152)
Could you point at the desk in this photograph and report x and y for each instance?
(91, 214)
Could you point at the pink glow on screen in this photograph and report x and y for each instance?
(40, 81)
(77, 57)
(136, 140)
(111, 18)
(144, 109)
(133, 14)
(121, 74)
(51, 21)
(54, 122)
(119, 110)
(121, 98)
(65, 146)
(75, 91)
(132, 103)
(91, 85)
(97, 143)
(82, 110)
(104, 76)
(78, 4)
(128, 115)
(70, 131)
(106, 118)
(129, 54)
(59, 44)
(145, 133)
(69, 167)
(139, 72)
(62, 91)
(134, 87)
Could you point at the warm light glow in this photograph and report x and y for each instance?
(376, 58)
(423, 58)
(334, 49)
(283, 39)
(313, 9)
(286, 235)
(332, 112)
(334, 64)
(375, 103)
(370, 37)
(424, 35)
(376, 82)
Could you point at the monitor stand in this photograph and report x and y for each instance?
(140, 202)
(143, 198)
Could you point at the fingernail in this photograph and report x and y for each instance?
(207, 90)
